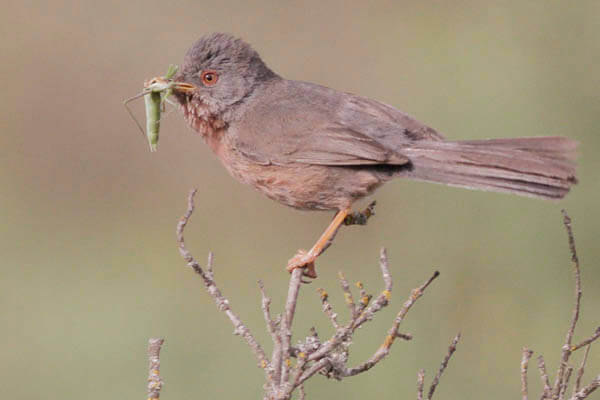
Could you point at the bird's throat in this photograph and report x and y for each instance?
(205, 121)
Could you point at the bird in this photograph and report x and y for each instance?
(311, 147)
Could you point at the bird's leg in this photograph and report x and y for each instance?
(306, 259)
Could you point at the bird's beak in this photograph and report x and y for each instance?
(159, 83)
(183, 87)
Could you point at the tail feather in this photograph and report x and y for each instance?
(539, 167)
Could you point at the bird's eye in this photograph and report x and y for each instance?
(209, 77)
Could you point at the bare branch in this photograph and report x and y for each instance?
(365, 298)
(587, 341)
(393, 333)
(443, 366)
(211, 287)
(420, 384)
(546, 393)
(328, 309)
(566, 350)
(586, 391)
(316, 367)
(383, 298)
(348, 298)
(565, 384)
(266, 307)
(154, 381)
(301, 393)
(581, 370)
(288, 319)
(274, 367)
(524, 364)
(565, 371)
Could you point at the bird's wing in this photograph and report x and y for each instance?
(298, 122)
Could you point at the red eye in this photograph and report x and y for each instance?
(209, 78)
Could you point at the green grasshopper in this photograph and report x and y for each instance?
(156, 93)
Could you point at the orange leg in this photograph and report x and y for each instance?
(304, 259)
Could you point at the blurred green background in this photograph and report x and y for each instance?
(90, 269)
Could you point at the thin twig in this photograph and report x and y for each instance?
(384, 297)
(546, 393)
(311, 355)
(566, 350)
(587, 341)
(565, 384)
(301, 393)
(420, 384)
(154, 381)
(328, 309)
(581, 370)
(364, 298)
(272, 328)
(287, 321)
(586, 391)
(524, 364)
(213, 290)
(348, 298)
(392, 334)
(443, 366)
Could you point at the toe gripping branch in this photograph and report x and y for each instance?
(360, 217)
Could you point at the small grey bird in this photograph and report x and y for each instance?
(315, 148)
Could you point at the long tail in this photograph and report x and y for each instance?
(539, 166)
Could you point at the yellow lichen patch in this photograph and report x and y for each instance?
(302, 355)
(389, 339)
(288, 362)
(365, 300)
(359, 285)
(263, 364)
(323, 293)
(387, 294)
(348, 298)
(415, 294)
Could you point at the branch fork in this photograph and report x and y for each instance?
(290, 366)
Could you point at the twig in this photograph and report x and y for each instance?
(420, 384)
(154, 381)
(544, 376)
(290, 310)
(524, 364)
(275, 365)
(365, 298)
(566, 350)
(443, 366)
(384, 297)
(312, 356)
(213, 290)
(301, 393)
(586, 391)
(587, 341)
(565, 384)
(328, 309)
(565, 371)
(393, 333)
(581, 370)
(348, 298)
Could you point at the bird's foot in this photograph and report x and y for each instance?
(303, 259)
(361, 217)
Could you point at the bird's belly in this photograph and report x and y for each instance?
(302, 186)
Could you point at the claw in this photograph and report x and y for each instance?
(305, 260)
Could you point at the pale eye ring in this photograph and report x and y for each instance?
(209, 77)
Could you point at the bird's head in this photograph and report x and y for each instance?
(220, 71)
